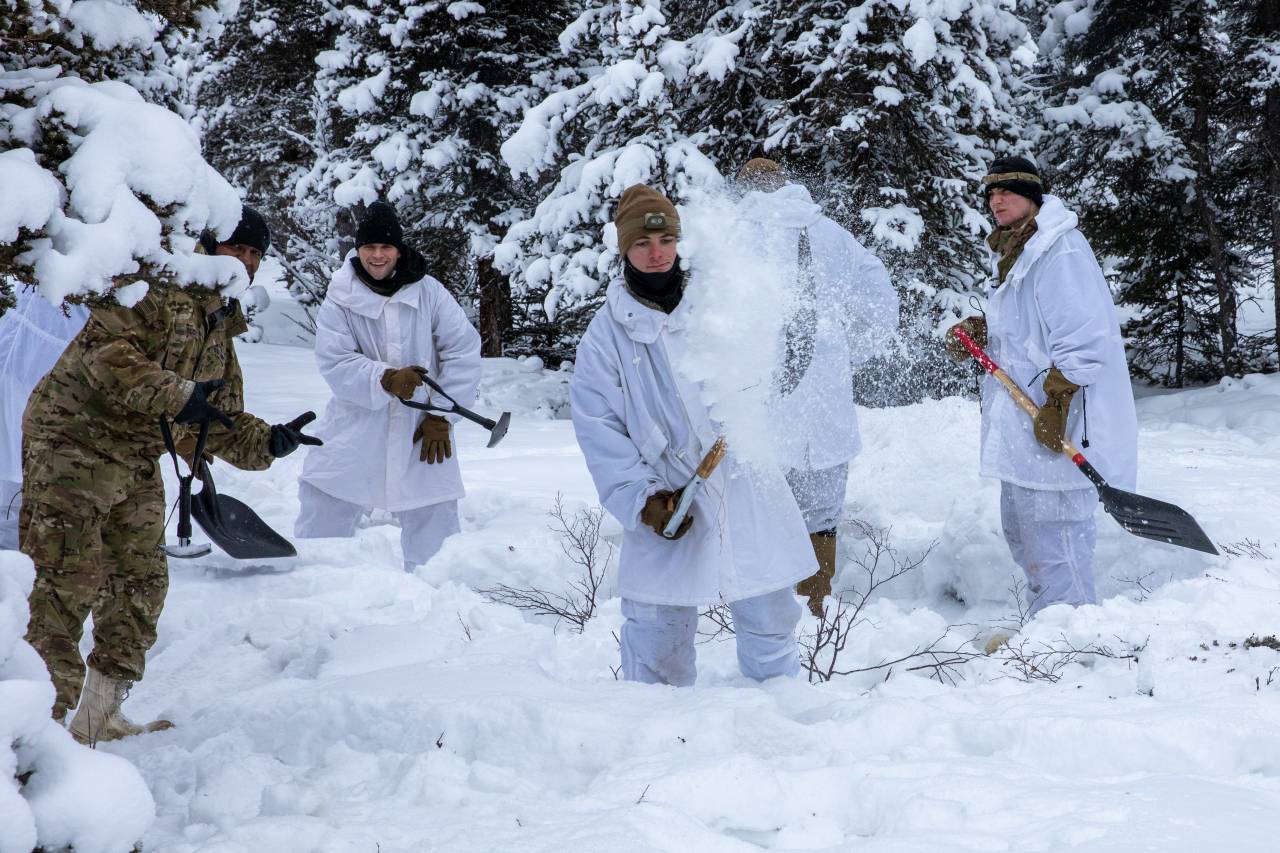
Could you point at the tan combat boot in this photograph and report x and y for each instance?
(99, 716)
(818, 587)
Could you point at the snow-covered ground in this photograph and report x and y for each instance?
(334, 703)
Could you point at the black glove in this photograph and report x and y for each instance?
(197, 408)
(285, 438)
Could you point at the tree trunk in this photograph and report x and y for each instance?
(1271, 156)
(1180, 351)
(495, 307)
(1203, 86)
(1272, 134)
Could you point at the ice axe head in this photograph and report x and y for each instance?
(497, 429)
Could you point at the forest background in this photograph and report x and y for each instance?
(504, 133)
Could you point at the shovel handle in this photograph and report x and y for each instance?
(706, 468)
(1018, 395)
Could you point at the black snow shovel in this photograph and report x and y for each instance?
(497, 429)
(1141, 516)
(233, 526)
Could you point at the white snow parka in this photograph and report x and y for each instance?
(857, 310)
(642, 428)
(33, 335)
(369, 457)
(1055, 310)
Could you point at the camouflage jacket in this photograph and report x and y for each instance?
(129, 366)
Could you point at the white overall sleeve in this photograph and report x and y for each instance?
(352, 376)
(1076, 314)
(623, 479)
(871, 313)
(457, 346)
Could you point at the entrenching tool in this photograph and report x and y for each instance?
(231, 524)
(691, 488)
(1141, 516)
(497, 429)
(184, 549)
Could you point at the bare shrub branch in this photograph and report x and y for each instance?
(1029, 661)
(1245, 548)
(582, 543)
(721, 623)
(1141, 583)
(881, 564)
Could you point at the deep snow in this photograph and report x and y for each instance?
(334, 703)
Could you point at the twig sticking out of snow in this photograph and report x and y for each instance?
(822, 648)
(582, 543)
(1029, 661)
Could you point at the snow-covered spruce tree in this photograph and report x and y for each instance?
(633, 83)
(263, 125)
(105, 193)
(893, 111)
(1137, 132)
(421, 96)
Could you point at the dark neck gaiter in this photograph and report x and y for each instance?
(661, 290)
(411, 267)
(386, 287)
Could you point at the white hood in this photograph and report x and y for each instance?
(789, 207)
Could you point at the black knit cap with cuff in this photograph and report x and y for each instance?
(1017, 175)
(251, 231)
(380, 225)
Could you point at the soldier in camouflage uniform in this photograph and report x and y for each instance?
(92, 515)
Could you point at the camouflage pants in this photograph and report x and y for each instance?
(94, 529)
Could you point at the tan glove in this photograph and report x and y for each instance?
(1051, 423)
(976, 328)
(403, 382)
(658, 510)
(433, 432)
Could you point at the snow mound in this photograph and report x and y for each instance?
(342, 704)
(1249, 406)
(523, 386)
(75, 797)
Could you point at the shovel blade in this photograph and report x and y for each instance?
(237, 529)
(1153, 519)
(499, 430)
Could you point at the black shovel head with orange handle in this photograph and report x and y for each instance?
(1153, 519)
(1138, 514)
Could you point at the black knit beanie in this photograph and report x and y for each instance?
(380, 225)
(252, 231)
(1017, 175)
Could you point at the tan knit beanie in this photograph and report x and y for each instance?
(761, 173)
(643, 210)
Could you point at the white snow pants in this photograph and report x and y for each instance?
(657, 639)
(1051, 536)
(422, 530)
(10, 503)
(820, 495)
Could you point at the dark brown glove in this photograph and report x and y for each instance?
(403, 382)
(433, 431)
(1051, 423)
(974, 327)
(658, 510)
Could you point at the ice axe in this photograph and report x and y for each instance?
(691, 488)
(1141, 516)
(497, 429)
(231, 524)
